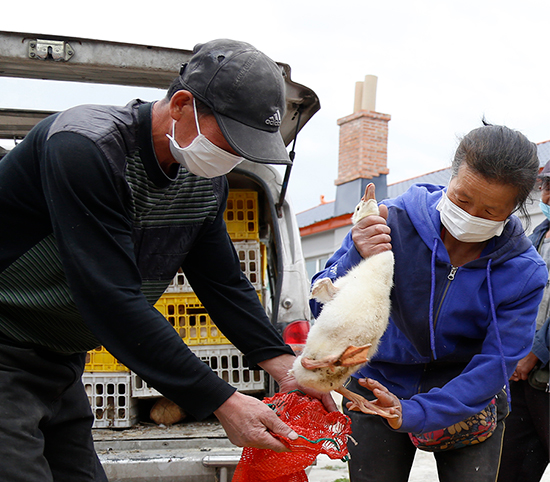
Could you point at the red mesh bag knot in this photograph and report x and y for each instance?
(319, 432)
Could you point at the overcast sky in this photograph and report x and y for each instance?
(441, 66)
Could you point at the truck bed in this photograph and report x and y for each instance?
(190, 451)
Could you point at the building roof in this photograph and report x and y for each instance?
(316, 214)
(441, 176)
(325, 211)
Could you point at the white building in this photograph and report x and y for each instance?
(362, 158)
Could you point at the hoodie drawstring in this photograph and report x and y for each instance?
(493, 315)
(432, 298)
(499, 342)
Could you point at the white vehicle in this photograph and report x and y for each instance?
(191, 450)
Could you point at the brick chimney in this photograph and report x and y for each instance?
(363, 150)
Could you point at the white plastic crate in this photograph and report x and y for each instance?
(251, 265)
(140, 388)
(251, 261)
(110, 398)
(179, 284)
(225, 360)
(231, 365)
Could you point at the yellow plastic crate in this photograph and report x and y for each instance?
(190, 319)
(263, 257)
(100, 360)
(185, 313)
(241, 214)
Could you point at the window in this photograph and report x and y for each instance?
(314, 265)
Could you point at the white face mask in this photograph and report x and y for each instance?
(464, 226)
(202, 157)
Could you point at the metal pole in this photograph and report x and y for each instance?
(291, 154)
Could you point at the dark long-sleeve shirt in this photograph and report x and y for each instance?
(93, 231)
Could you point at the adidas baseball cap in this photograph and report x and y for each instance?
(245, 89)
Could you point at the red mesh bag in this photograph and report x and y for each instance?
(319, 432)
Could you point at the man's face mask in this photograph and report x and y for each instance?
(202, 157)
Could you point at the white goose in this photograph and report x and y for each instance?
(353, 319)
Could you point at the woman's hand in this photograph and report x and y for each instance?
(371, 235)
(384, 398)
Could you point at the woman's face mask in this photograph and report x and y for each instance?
(202, 157)
(465, 227)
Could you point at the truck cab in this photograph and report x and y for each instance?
(261, 224)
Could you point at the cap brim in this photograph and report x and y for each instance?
(253, 144)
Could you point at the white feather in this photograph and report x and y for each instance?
(356, 315)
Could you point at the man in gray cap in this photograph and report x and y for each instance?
(99, 208)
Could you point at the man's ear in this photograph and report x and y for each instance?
(180, 101)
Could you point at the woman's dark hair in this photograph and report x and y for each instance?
(176, 85)
(500, 155)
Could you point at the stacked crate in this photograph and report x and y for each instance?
(110, 397)
(241, 215)
(108, 386)
(224, 360)
(113, 390)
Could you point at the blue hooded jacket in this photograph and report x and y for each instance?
(455, 334)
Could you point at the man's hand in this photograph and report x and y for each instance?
(371, 235)
(289, 383)
(385, 399)
(524, 367)
(249, 422)
(279, 367)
